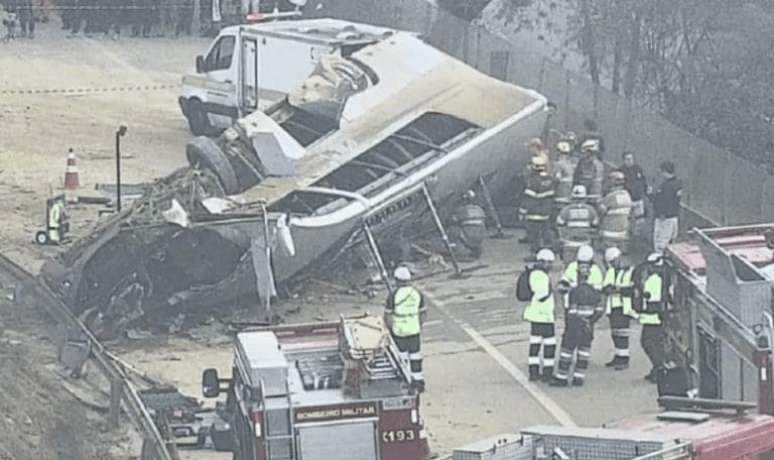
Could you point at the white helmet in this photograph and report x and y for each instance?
(564, 147)
(579, 191)
(402, 274)
(612, 253)
(585, 253)
(545, 255)
(590, 145)
(655, 258)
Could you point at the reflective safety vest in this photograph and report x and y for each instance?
(620, 279)
(596, 279)
(541, 308)
(55, 215)
(653, 286)
(405, 315)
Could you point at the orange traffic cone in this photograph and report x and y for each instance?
(71, 181)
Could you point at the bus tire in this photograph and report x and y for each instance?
(203, 153)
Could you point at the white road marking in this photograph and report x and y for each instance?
(543, 399)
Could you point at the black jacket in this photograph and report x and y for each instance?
(666, 200)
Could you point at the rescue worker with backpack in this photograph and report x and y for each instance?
(404, 314)
(534, 286)
(582, 310)
(651, 299)
(618, 289)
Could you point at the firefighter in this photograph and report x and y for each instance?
(540, 315)
(618, 288)
(583, 259)
(583, 309)
(56, 220)
(614, 210)
(564, 169)
(404, 314)
(537, 205)
(651, 298)
(469, 225)
(576, 223)
(590, 170)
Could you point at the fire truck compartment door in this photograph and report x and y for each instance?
(343, 441)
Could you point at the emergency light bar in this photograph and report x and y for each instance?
(254, 18)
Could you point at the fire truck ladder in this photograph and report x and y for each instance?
(279, 428)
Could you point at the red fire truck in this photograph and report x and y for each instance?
(338, 390)
(720, 325)
(690, 429)
(719, 329)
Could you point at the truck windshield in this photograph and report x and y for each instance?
(221, 54)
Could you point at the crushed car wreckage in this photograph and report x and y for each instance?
(289, 189)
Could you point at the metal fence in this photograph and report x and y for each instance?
(720, 188)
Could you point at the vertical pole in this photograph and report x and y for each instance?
(267, 300)
(491, 206)
(377, 256)
(441, 230)
(115, 404)
(118, 171)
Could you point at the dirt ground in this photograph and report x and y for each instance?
(38, 418)
(471, 393)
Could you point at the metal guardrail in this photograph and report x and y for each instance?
(121, 388)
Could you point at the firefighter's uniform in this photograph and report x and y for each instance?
(583, 309)
(405, 308)
(576, 223)
(590, 171)
(564, 170)
(615, 210)
(652, 304)
(537, 206)
(540, 314)
(619, 288)
(469, 227)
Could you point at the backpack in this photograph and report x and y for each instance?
(523, 291)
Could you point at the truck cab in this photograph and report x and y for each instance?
(302, 392)
(250, 67)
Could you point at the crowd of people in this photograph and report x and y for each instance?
(576, 208)
(138, 18)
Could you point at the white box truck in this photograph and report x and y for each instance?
(250, 67)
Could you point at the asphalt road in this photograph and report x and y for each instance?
(476, 348)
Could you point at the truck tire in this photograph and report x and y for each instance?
(197, 118)
(203, 152)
